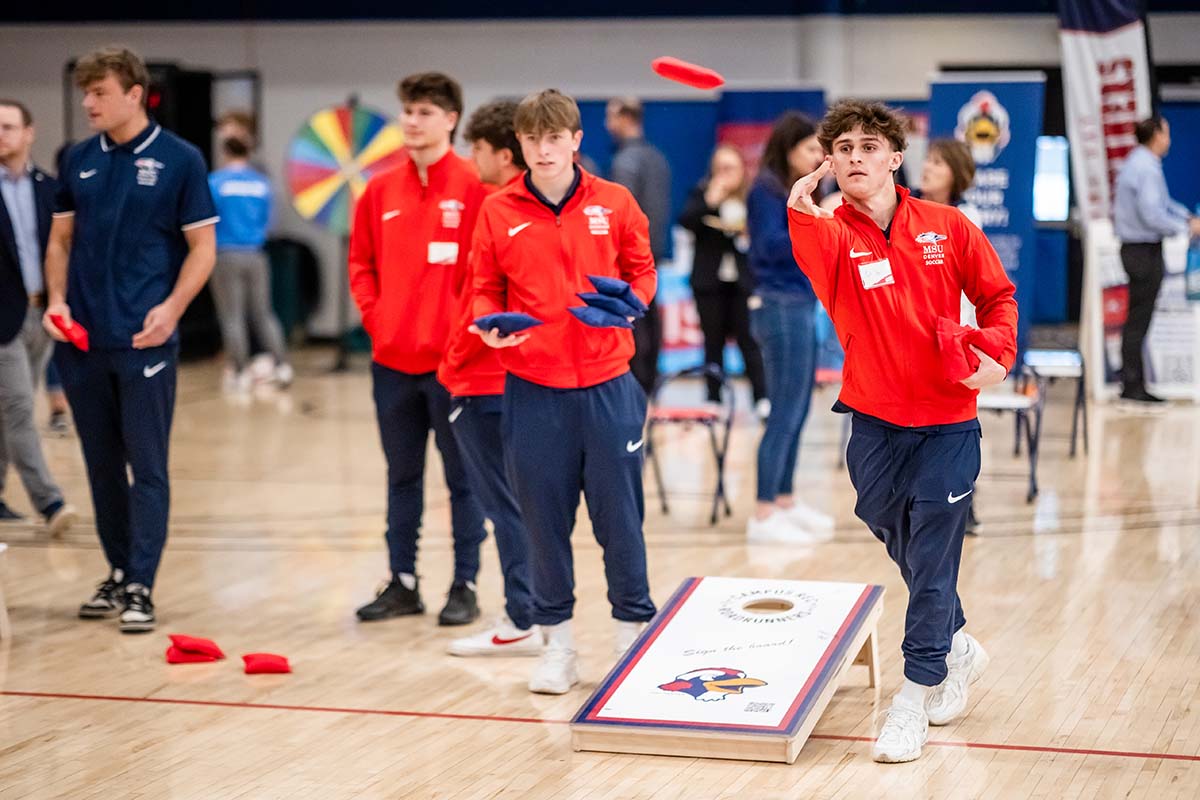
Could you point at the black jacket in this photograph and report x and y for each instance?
(14, 299)
(711, 246)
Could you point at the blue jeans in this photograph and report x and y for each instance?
(785, 328)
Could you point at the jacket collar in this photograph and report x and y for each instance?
(580, 188)
(436, 172)
(137, 144)
(902, 203)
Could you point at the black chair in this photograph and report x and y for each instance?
(718, 420)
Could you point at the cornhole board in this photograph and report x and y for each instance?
(734, 668)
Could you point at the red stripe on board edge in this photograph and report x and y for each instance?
(1025, 748)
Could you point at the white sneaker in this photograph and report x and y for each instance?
(284, 375)
(778, 528)
(948, 700)
(557, 672)
(261, 369)
(235, 382)
(627, 634)
(762, 409)
(809, 518)
(501, 639)
(904, 732)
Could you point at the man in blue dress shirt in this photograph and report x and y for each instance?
(131, 244)
(26, 200)
(1143, 215)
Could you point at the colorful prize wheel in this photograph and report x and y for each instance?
(331, 158)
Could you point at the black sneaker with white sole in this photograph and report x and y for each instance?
(106, 602)
(394, 600)
(462, 607)
(138, 616)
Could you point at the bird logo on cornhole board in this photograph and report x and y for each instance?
(711, 683)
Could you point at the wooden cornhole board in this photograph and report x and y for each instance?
(734, 668)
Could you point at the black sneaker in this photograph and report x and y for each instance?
(138, 616)
(1141, 400)
(8, 515)
(106, 602)
(394, 600)
(462, 607)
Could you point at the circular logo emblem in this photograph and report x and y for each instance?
(768, 606)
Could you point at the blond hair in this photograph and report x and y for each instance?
(545, 112)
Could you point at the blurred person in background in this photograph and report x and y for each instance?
(642, 169)
(715, 212)
(241, 280)
(782, 318)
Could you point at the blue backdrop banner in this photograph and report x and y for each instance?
(999, 116)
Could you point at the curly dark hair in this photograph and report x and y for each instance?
(493, 123)
(875, 119)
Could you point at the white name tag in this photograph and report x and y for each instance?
(443, 253)
(876, 274)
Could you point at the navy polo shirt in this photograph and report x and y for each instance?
(132, 203)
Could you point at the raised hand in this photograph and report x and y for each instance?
(802, 190)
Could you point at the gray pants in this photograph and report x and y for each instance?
(22, 364)
(241, 288)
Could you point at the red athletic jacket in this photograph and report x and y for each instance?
(470, 368)
(406, 247)
(528, 260)
(886, 318)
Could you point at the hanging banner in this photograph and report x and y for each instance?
(1106, 77)
(999, 116)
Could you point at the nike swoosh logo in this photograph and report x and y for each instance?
(391, 214)
(514, 231)
(455, 414)
(89, 173)
(632, 447)
(496, 640)
(855, 254)
(150, 372)
(950, 498)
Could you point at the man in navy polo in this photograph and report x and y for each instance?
(132, 242)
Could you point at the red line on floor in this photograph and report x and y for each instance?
(1077, 751)
(278, 707)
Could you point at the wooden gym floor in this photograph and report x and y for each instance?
(1088, 601)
